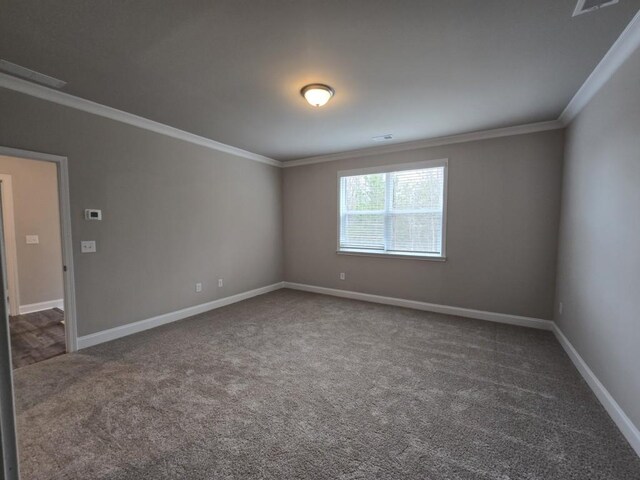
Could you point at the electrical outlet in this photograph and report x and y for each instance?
(342, 276)
(220, 283)
(198, 287)
(88, 246)
(560, 308)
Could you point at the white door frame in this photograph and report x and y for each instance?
(71, 332)
(10, 246)
(9, 465)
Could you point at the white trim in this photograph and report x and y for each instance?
(65, 232)
(61, 98)
(579, 10)
(71, 101)
(10, 245)
(142, 325)
(29, 155)
(32, 75)
(620, 51)
(624, 423)
(389, 254)
(400, 167)
(429, 307)
(626, 426)
(71, 324)
(623, 47)
(620, 418)
(445, 211)
(431, 142)
(38, 307)
(9, 466)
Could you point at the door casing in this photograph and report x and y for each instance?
(71, 333)
(9, 465)
(10, 247)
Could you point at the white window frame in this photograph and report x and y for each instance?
(388, 169)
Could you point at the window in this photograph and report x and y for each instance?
(394, 210)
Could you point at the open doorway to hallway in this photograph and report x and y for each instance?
(33, 253)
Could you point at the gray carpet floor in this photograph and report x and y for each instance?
(293, 385)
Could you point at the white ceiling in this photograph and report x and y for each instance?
(231, 70)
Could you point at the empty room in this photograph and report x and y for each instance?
(361, 239)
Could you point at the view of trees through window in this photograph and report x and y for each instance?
(395, 211)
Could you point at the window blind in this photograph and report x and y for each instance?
(394, 212)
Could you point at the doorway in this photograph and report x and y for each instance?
(13, 299)
(33, 254)
(37, 255)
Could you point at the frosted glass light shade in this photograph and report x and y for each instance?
(317, 94)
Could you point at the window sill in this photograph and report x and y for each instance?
(406, 256)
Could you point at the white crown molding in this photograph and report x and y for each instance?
(28, 88)
(624, 46)
(620, 51)
(44, 93)
(430, 142)
(142, 325)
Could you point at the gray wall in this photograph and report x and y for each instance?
(599, 260)
(174, 213)
(503, 207)
(35, 208)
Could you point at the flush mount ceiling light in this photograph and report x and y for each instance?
(317, 94)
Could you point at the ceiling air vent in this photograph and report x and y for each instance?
(29, 74)
(585, 6)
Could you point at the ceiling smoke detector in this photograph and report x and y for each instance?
(28, 74)
(586, 6)
(382, 138)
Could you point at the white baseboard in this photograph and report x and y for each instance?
(429, 307)
(624, 423)
(139, 326)
(38, 307)
(135, 327)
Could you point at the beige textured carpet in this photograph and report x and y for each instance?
(295, 385)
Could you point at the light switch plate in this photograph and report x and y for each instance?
(88, 246)
(33, 239)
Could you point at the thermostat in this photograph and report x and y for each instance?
(90, 214)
